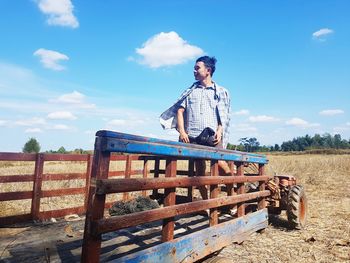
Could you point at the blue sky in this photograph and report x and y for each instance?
(70, 68)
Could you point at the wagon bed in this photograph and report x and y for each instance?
(61, 241)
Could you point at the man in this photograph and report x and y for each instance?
(204, 104)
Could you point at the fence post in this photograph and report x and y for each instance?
(87, 179)
(240, 189)
(190, 174)
(96, 204)
(145, 174)
(214, 193)
(38, 174)
(155, 194)
(127, 174)
(169, 200)
(261, 202)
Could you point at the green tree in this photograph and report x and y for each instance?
(31, 146)
(61, 150)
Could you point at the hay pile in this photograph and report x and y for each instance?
(132, 206)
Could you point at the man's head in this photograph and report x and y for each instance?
(204, 67)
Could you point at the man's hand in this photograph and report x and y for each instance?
(184, 137)
(218, 135)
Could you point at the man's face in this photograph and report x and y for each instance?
(200, 71)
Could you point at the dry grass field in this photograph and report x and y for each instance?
(326, 238)
(326, 179)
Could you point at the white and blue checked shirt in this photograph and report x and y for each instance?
(168, 119)
(201, 111)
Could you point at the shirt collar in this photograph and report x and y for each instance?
(211, 87)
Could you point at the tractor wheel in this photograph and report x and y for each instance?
(296, 207)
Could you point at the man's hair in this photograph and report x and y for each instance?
(209, 62)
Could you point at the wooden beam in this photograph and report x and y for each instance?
(118, 222)
(169, 201)
(137, 184)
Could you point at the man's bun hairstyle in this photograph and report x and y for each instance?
(209, 62)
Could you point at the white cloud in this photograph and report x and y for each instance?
(61, 115)
(320, 34)
(59, 12)
(60, 127)
(348, 123)
(30, 122)
(3, 122)
(240, 112)
(340, 129)
(262, 118)
(33, 130)
(75, 98)
(297, 122)
(117, 122)
(167, 49)
(243, 127)
(50, 58)
(331, 112)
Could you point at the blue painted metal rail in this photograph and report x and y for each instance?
(127, 143)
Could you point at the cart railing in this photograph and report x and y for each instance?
(217, 235)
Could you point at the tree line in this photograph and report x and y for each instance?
(246, 144)
(307, 142)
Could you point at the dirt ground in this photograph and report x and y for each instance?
(326, 238)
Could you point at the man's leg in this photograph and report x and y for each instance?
(224, 168)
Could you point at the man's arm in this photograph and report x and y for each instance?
(181, 125)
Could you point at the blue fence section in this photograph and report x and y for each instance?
(126, 143)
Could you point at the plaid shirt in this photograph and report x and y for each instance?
(168, 119)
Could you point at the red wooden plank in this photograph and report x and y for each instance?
(108, 186)
(122, 173)
(190, 174)
(66, 176)
(61, 212)
(214, 193)
(127, 174)
(179, 172)
(156, 175)
(10, 220)
(118, 157)
(6, 156)
(145, 174)
(92, 244)
(87, 181)
(9, 196)
(118, 222)
(65, 191)
(169, 200)
(65, 157)
(241, 189)
(17, 178)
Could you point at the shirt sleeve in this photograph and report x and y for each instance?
(184, 103)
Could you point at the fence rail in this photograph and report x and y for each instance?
(38, 178)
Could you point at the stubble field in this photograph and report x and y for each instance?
(326, 238)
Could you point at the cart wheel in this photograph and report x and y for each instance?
(297, 207)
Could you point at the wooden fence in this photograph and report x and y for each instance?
(38, 177)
